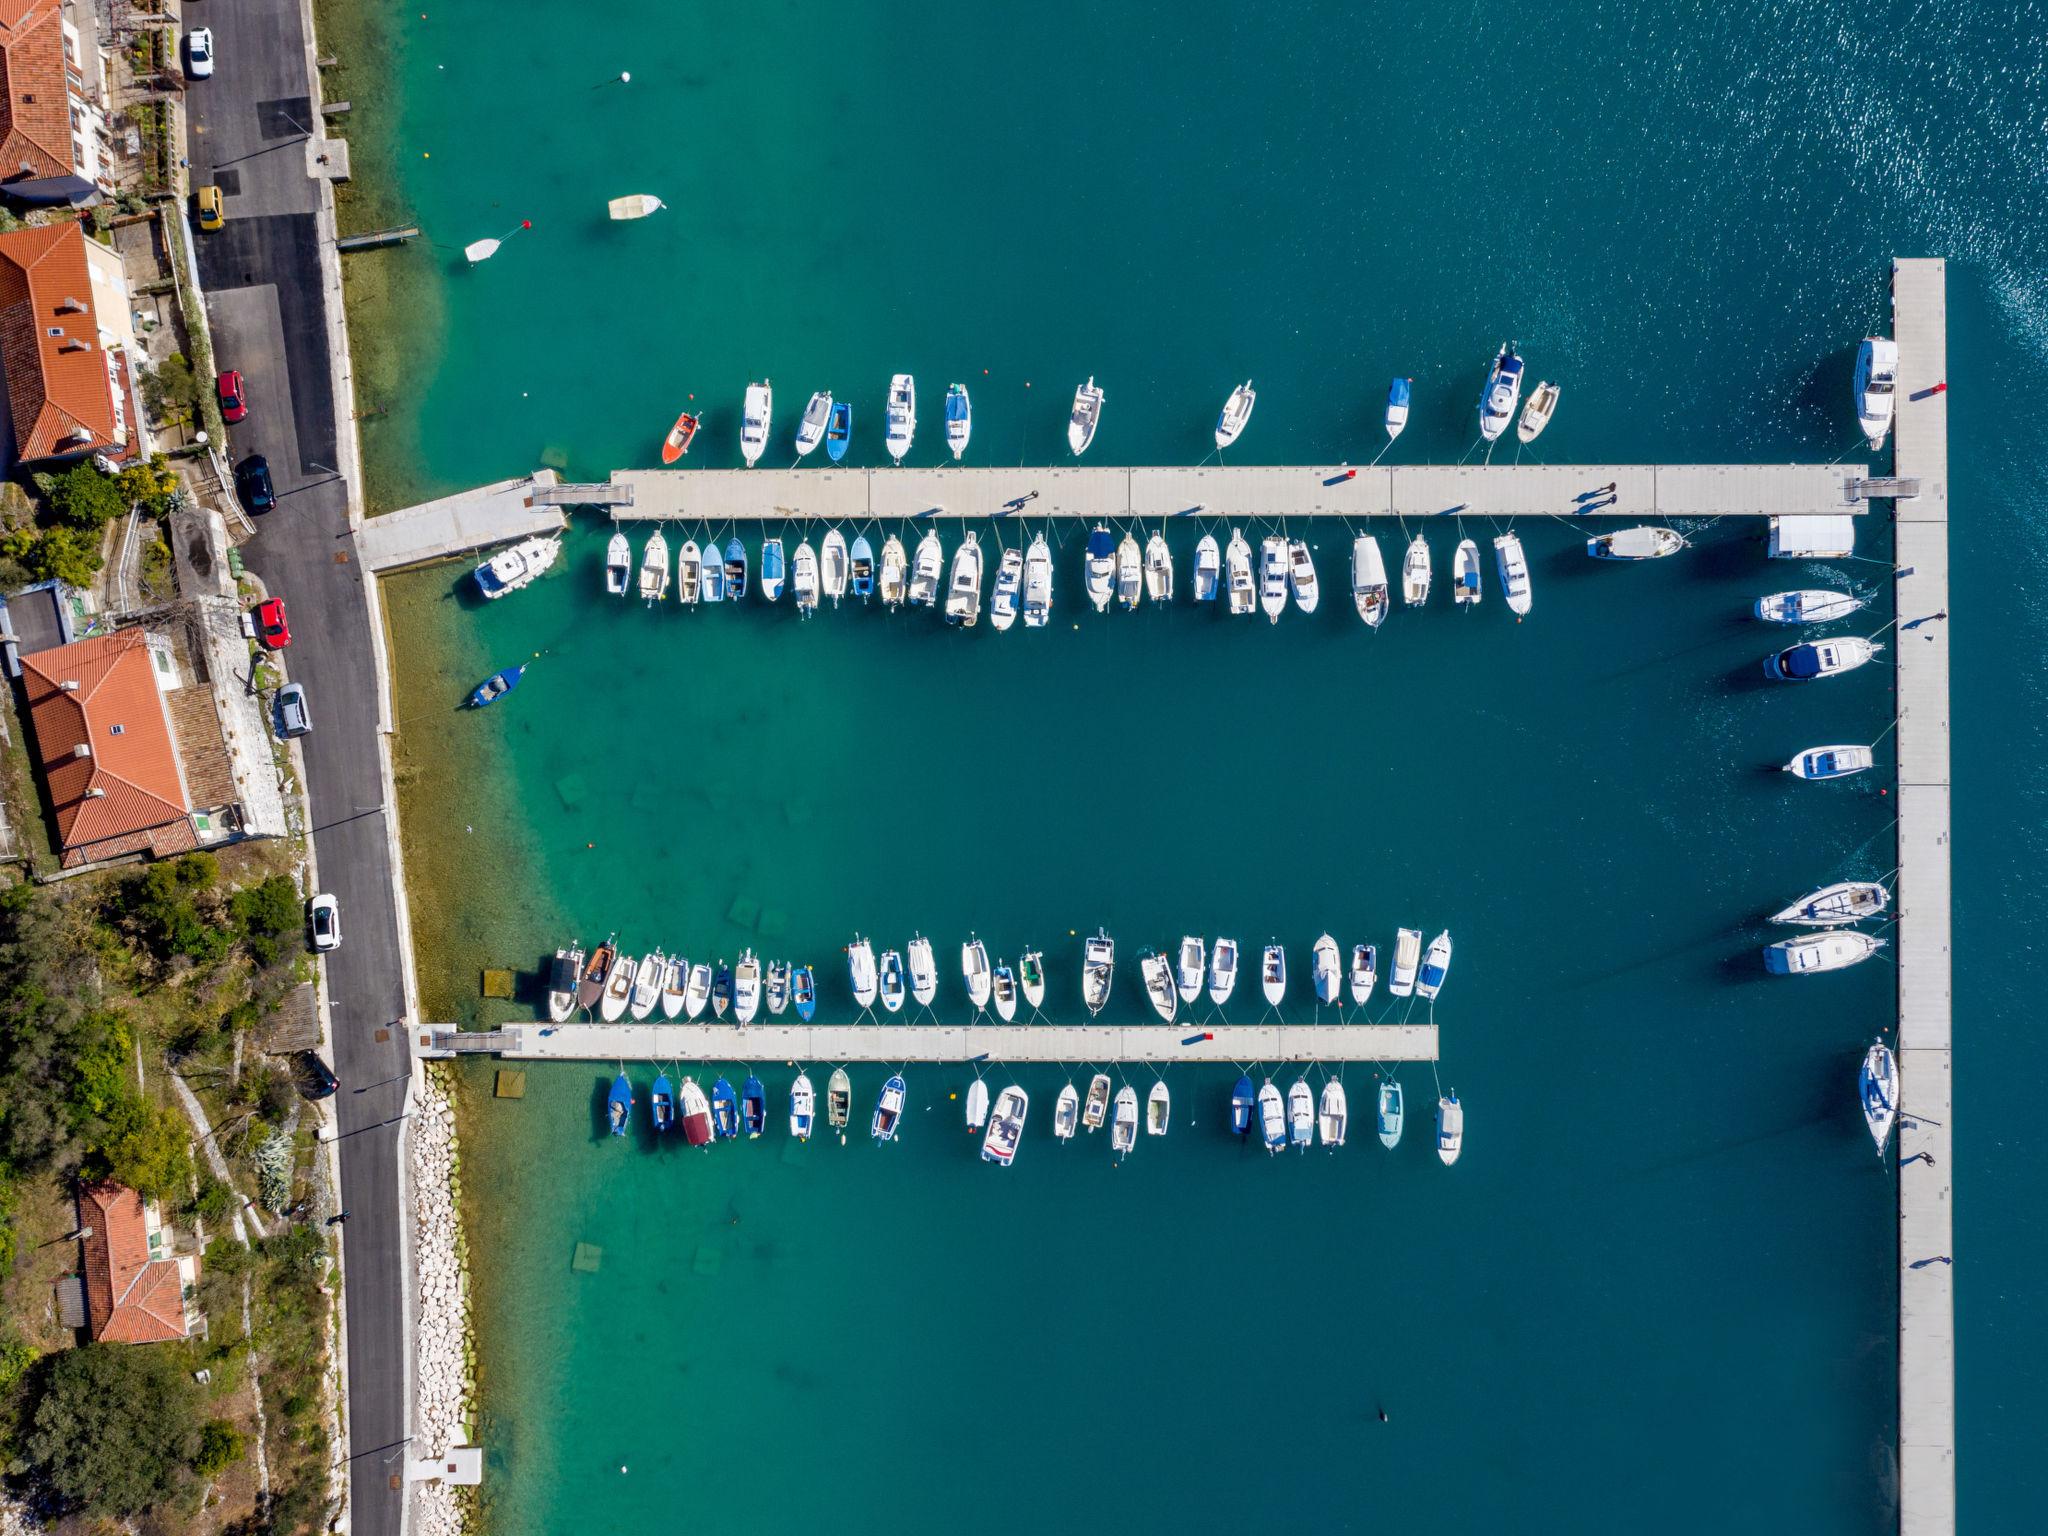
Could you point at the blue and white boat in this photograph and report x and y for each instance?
(772, 572)
(753, 1106)
(839, 432)
(1435, 965)
(662, 1104)
(1877, 1085)
(735, 569)
(1242, 1098)
(725, 1110)
(711, 566)
(889, 1109)
(860, 562)
(1819, 658)
(519, 566)
(1397, 408)
(1100, 572)
(495, 687)
(1389, 1114)
(959, 419)
(803, 992)
(619, 1105)
(1837, 762)
(1503, 390)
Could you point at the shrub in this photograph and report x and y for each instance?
(113, 1427)
(220, 1444)
(143, 1146)
(162, 910)
(83, 497)
(153, 485)
(56, 554)
(214, 1200)
(264, 913)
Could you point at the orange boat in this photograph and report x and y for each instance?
(677, 443)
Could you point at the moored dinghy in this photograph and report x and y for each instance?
(654, 568)
(860, 568)
(1123, 1127)
(1273, 975)
(1368, 580)
(754, 419)
(1188, 969)
(711, 572)
(1099, 572)
(1301, 575)
(778, 986)
(900, 421)
(895, 579)
(735, 570)
(803, 1107)
(1465, 573)
(1513, 567)
(889, 980)
(1096, 1110)
(1158, 569)
(811, 430)
(861, 973)
(1208, 569)
(889, 1109)
(1332, 1114)
(1222, 971)
(618, 564)
(661, 1104)
(1037, 584)
(1642, 542)
(1503, 389)
(1272, 1117)
(803, 577)
(1130, 573)
(959, 422)
(1301, 1114)
(772, 569)
(619, 1103)
(1820, 658)
(1812, 605)
(1435, 966)
(977, 1104)
(725, 1111)
(1846, 901)
(839, 1100)
(1098, 969)
(1086, 417)
(832, 565)
(1877, 1087)
(689, 572)
(1237, 565)
(746, 987)
(924, 972)
(1388, 1114)
(596, 972)
(1450, 1128)
(1415, 572)
(1002, 606)
(1811, 953)
(1407, 959)
(1003, 989)
(647, 985)
(1031, 977)
(1157, 975)
(1325, 969)
(677, 443)
(696, 1114)
(926, 569)
(1158, 1108)
(1397, 406)
(974, 970)
(1237, 410)
(1837, 762)
(840, 431)
(753, 1106)
(1066, 1113)
(1537, 413)
(697, 992)
(563, 977)
(1273, 578)
(963, 592)
(1365, 971)
(618, 989)
(1006, 1127)
(1242, 1099)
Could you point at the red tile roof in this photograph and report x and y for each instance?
(35, 95)
(130, 1297)
(113, 710)
(58, 391)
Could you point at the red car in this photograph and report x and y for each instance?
(234, 405)
(271, 627)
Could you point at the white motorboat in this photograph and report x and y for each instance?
(1188, 970)
(1812, 605)
(889, 981)
(1002, 606)
(803, 1107)
(1222, 971)
(1513, 567)
(1208, 569)
(1837, 762)
(900, 419)
(1368, 580)
(1237, 563)
(618, 989)
(1811, 953)
(1397, 406)
(803, 578)
(1003, 991)
(1450, 1128)
(1435, 965)
(1098, 968)
(618, 564)
(1158, 1108)
(647, 986)
(1389, 1114)
(1123, 1125)
(1503, 389)
(839, 1102)
(1537, 413)
(1365, 971)
(1877, 1086)
(924, 971)
(746, 987)
(1066, 1113)
(959, 419)
(1273, 577)
(1037, 583)
(698, 995)
(895, 580)
(1301, 576)
(777, 989)
(1877, 379)
(1301, 1114)
(1415, 572)
(1326, 969)
(1158, 569)
(689, 571)
(1820, 658)
(888, 1117)
(963, 592)
(1465, 573)
(754, 419)
(974, 970)
(1642, 542)
(860, 970)
(1005, 1127)
(1272, 1117)
(1157, 975)
(833, 565)
(1096, 1110)
(1273, 975)
(520, 566)
(675, 986)
(1099, 572)
(977, 1104)
(1031, 977)
(1130, 573)
(1407, 960)
(811, 430)
(925, 571)
(1086, 417)
(1237, 410)
(654, 568)
(1846, 901)
(1333, 1114)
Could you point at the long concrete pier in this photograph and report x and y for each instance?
(1927, 1356)
(1642, 492)
(940, 1043)
(456, 525)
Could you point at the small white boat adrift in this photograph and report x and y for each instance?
(1465, 573)
(925, 571)
(1301, 576)
(1086, 417)
(1301, 1114)
(1222, 971)
(1435, 965)
(803, 1107)
(618, 989)
(1812, 605)
(1273, 577)
(889, 978)
(647, 985)
(520, 566)
(689, 571)
(1272, 1117)
(1006, 1126)
(634, 205)
(1208, 569)
(1415, 572)
(1536, 414)
(1130, 573)
(1820, 658)
(746, 987)
(1098, 968)
(1003, 988)
(1407, 959)
(1237, 410)
(975, 972)
(1002, 606)
(803, 578)
(1642, 542)
(1037, 584)
(1503, 388)
(924, 971)
(1326, 969)
(1846, 901)
(1273, 975)
(1397, 406)
(618, 564)
(1031, 977)
(654, 568)
(1811, 953)
(1098, 574)
(1188, 969)
(832, 565)
(1123, 1128)
(1158, 569)
(1450, 1128)
(1877, 379)
(697, 997)
(1369, 580)
(1237, 564)
(959, 419)
(1157, 975)
(977, 1104)
(1332, 1114)
(1513, 567)
(1877, 1086)
(811, 430)
(895, 580)
(1831, 762)
(1096, 1110)
(963, 592)
(1158, 1108)
(754, 418)
(1365, 972)
(900, 419)
(860, 970)
(1066, 1113)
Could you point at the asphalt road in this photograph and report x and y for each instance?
(263, 282)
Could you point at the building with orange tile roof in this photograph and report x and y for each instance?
(137, 1290)
(64, 375)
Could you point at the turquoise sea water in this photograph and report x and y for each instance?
(1657, 1290)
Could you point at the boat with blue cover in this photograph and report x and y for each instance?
(495, 687)
(619, 1105)
(662, 1104)
(735, 569)
(721, 990)
(772, 572)
(1503, 389)
(1241, 1100)
(889, 1108)
(803, 992)
(725, 1109)
(1397, 407)
(959, 419)
(753, 1106)
(1820, 658)
(1837, 762)
(861, 566)
(839, 432)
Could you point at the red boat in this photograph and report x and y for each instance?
(677, 443)
(696, 1115)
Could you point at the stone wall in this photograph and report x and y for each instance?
(442, 1412)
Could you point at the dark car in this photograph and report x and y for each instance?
(252, 484)
(316, 1078)
(234, 403)
(272, 627)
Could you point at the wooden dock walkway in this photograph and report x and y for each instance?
(459, 524)
(1250, 494)
(1927, 1377)
(940, 1043)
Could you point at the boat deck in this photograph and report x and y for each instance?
(459, 524)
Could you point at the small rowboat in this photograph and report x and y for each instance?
(677, 443)
(1536, 414)
(495, 687)
(635, 205)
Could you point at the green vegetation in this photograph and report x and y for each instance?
(172, 392)
(114, 1430)
(81, 502)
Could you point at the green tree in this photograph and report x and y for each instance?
(100, 1066)
(264, 913)
(142, 1146)
(85, 498)
(152, 485)
(161, 906)
(69, 555)
(113, 1427)
(220, 1443)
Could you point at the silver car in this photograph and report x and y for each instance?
(199, 52)
(293, 717)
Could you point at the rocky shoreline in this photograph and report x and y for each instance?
(446, 1360)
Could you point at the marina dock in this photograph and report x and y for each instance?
(1156, 1044)
(1249, 494)
(456, 525)
(1927, 1408)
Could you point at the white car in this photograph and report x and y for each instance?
(323, 916)
(199, 52)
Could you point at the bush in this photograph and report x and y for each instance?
(265, 913)
(154, 486)
(16, 1356)
(56, 554)
(143, 1147)
(113, 1427)
(220, 1444)
(162, 910)
(214, 1200)
(298, 1251)
(83, 497)
(171, 391)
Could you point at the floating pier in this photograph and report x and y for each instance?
(459, 524)
(938, 1043)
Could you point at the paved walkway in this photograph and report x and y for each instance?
(455, 525)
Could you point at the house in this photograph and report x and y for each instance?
(65, 345)
(137, 1290)
(53, 130)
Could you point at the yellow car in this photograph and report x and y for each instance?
(211, 215)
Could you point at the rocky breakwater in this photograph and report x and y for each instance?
(441, 1258)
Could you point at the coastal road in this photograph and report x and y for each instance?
(264, 284)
